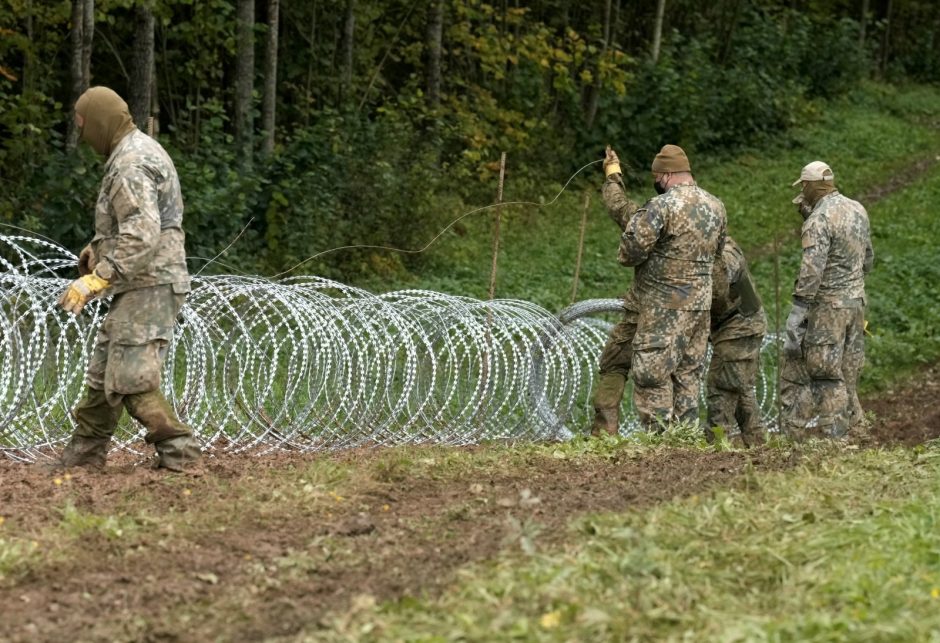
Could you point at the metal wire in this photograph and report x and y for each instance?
(309, 364)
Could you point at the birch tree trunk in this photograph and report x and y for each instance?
(269, 105)
(658, 29)
(76, 68)
(139, 100)
(244, 78)
(88, 37)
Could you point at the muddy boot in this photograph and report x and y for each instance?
(178, 454)
(606, 422)
(85, 452)
(754, 438)
(607, 399)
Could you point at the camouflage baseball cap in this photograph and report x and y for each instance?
(815, 171)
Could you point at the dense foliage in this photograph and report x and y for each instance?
(375, 153)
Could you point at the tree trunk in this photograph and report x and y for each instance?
(88, 36)
(269, 105)
(308, 90)
(244, 78)
(78, 86)
(435, 31)
(863, 23)
(142, 66)
(658, 29)
(886, 43)
(349, 34)
(154, 98)
(595, 92)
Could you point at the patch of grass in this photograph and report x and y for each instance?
(78, 524)
(845, 547)
(17, 556)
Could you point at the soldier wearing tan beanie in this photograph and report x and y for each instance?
(671, 242)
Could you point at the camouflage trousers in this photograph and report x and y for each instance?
(730, 383)
(668, 363)
(820, 389)
(124, 370)
(615, 364)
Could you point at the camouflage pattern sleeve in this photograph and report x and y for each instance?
(619, 206)
(815, 243)
(641, 234)
(869, 257)
(134, 202)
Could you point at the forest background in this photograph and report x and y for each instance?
(321, 123)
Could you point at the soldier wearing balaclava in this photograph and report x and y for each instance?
(137, 256)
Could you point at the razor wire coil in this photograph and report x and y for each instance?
(306, 363)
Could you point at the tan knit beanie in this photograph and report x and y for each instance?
(671, 159)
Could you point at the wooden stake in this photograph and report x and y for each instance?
(777, 328)
(496, 223)
(577, 263)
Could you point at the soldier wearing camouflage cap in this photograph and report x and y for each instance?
(137, 255)
(825, 331)
(738, 325)
(672, 242)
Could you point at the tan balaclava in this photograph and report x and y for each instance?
(107, 119)
(670, 159)
(813, 191)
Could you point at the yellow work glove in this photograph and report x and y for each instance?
(81, 291)
(611, 162)
(86, 261)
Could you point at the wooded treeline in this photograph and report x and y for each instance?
(355, 121)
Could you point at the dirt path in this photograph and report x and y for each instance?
(239, 555)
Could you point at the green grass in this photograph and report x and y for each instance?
(844, 547)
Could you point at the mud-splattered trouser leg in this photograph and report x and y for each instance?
(829, 332)
(852, 363)
(124, 372)
(668, 364)
(615, 362)
(732, 376)
(796, 397)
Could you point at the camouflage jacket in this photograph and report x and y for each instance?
(736, 307)
(837, 253)
(672, 241)
(139, 239)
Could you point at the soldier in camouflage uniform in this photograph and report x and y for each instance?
(738, 325)
(825, 331)
(672, 242)
(137, 256)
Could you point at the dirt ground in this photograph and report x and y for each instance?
(908, 414)
(257, 548)
(232, 555)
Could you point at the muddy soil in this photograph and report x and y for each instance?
(908, 414)
(261, 567)
(268, 570)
